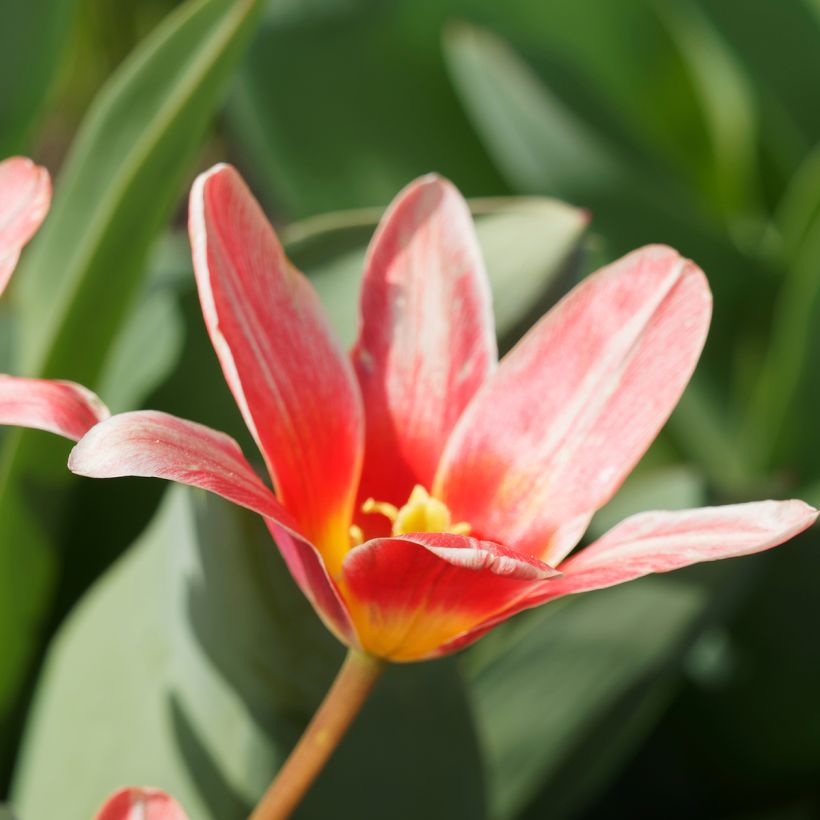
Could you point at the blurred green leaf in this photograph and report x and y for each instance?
(765, 755)
(32, 44)
(726, 103)
(778, 46)
(556, 676)
(195, 663)
(703, 431)
(342, 107)
(149, 342)
(782, 422)
(118, 186)
(511, 107)
(519, 118)
(562, 694)
(676, 487)
(527, 242)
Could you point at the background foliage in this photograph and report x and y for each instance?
(153, 635)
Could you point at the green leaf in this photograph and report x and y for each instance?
(530, 132)
(510, 105)
(527, 242)
(118, 186)
(26, 73)
(562, 694)
(782, 416)
(195, 663)
(726, 104)
(360, 107)
(554, 679)
(789, 120)
(675, 487)
(150, 341)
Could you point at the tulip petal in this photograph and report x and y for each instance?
(64, 408)
(293, 383)
(426, 342)
(661, 542)
(576, 403)
(141, 804)
(25, 195)
(153, 444)
(665, 541)
(410, 594)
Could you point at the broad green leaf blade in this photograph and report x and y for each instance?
(367, 109)
(149, 342)
(195, 663)
(120, 670)
(665, 488)
(33, 40)
(527, 243)
(510, 105)
(582, 671)
(118, 186)
(556, 676)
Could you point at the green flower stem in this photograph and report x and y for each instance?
(342, 703)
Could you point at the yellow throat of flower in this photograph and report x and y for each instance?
(421, 513)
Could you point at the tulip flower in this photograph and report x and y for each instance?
(60, 407)
(423, 492)
(141, 804)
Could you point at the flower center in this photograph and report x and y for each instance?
(421, 513)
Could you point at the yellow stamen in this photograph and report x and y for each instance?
(421, 513)
(380, 507)
(356, 535)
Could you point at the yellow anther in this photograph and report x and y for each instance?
(421, 513)
(356, 535)
(380, 507)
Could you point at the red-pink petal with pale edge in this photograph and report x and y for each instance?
(408, 595)
(25, 195)
(293, 383)
(576, 403)
(64, 408)
(153, 444)
(141, 804)
(426, 340)
(664, 541)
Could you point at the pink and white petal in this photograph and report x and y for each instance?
(141, 804)
(60, 407)
(410, 594)
(152, 444)
(576, 403)
(664, 541)
(293, 383)
(426, 341)
(25, 196)
(661, 542)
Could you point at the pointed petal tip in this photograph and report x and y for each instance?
(801, 513)
(214, 170)
(61, 407)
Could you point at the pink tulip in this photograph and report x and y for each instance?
(141, 804)
(422, 493)
(60, 407)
